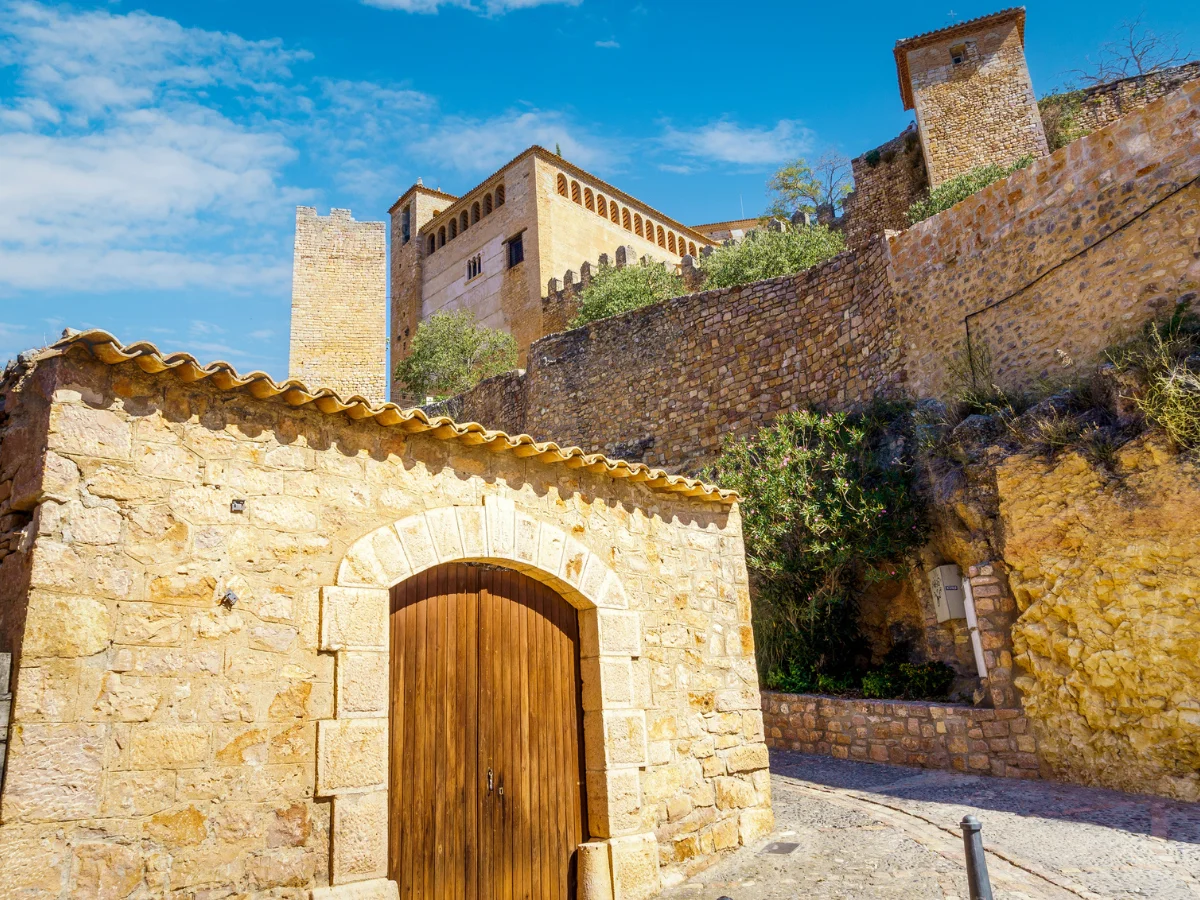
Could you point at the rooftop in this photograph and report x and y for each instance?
(107, 349)
(903, 48)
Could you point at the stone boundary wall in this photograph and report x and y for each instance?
(1071, 254)
(1104, 103)
(903, 732)
(675, 377)
(887, 181)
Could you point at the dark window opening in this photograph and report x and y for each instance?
(406, 224)
(516, 250)
(958, 54)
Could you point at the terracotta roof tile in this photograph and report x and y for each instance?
(106, 348)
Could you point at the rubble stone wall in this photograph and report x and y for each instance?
(665, 384)
(887, 181)
(906, 733)
(169, 741)
(1067, 256)
(1103, 104)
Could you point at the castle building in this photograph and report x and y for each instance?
(970, 87)
(493, 249)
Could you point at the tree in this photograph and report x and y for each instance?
(768, 254)
(1137, 51)
(799, 186)
(451, 354)
(613, 291)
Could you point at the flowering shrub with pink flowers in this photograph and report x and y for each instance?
(829, 505)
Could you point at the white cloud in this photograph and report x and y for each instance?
(479, 146)
(487, 7)
(608, 45)
(116, 159)
(727, 142)
(262, 334)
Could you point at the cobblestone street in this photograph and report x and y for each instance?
(870, 832)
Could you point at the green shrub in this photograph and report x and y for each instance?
(909, 681)
(826, 508)
(871, 158)
(613, 291)
(958, 189)
(1164, 359)
(768, 254)
(451, 353)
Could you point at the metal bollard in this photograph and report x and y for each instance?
(979, 885)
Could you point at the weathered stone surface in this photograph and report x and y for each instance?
(54, 773)
(354, 618)
(634, 867)
(169, 746)
(360, 823)
(104, 871)
(63, 625)
(351, 756)
(1105, 578)
(82, 431)
(362, 684)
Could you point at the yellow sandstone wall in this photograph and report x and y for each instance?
(165, 744)
(1105, 568)
(339, 304)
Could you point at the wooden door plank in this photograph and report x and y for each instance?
(487, 687)
(537, 726)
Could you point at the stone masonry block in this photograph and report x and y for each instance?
(352, 756)
(614, 802)
(472, 528)
(611, 594)
(64, 626)
(551, 542)
(575, 558)
(375, 560)
(595, 872)
(501, 526)
(354, 618)
(5, 673)
(54, 773)
(418, 543)
(443, 528)
(525, 536)
(360, 835)
(362, 684)
(746, 758)
(610, 632)
(634, 867)
(607, 682)
(624, 738)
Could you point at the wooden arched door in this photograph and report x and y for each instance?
(487, 797)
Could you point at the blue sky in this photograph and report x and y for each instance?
(152, 152)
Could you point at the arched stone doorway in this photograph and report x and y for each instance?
(486, 787)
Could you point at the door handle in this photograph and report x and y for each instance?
(490, 782)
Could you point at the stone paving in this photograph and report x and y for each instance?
(877, 832)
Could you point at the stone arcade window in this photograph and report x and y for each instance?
(516, 250)
(474, 266)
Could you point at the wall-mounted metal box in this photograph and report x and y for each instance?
(946, 584)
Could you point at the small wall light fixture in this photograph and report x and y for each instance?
(229, 599)
(237, 506)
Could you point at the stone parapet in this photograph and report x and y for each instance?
(903, 732)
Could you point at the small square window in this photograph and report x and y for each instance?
(958, 54)
(516, 250)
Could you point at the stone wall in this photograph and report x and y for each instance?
(339, 304)
(1102, 104)
(1069, 255)
(1105, 567)
(887, 181)
(665, 383)
(168, 742)
(906, 733)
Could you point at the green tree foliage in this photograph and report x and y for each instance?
(613, 291)
(960, 188)
(767, 254)
(804, 187)
(1060, 118)
(451, 353)
(828, 505)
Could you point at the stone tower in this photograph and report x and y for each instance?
(339, 304)
(973, 97)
